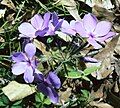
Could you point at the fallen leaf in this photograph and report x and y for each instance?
(40, 46)
(64, 36)
(106, 57)
(8, 3)
(2, 12)
(99, 93)
(64, 96)
(100, 104)
(16, 91)
(116, 88)
(103, 13)
(70, 5)
(107, 4)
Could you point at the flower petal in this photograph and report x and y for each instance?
(53, 79)
(90, 22)
(54, 19)
(102, 28)
(37, 21)
(58, 25)
(89, 59)
(48, 91)
(65, 24)
(30, 50)
(19, 57)
(19, 68)
(46, 20)
(80, 29)
(28, 75)
(104, 38)
(67, 28)
(38, 76)
(92, 42)
(27, 29)
(41, 33)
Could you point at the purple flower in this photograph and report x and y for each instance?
(93, 30)
(69, 28)
(47, 84)
(38, 26)
(54, 24)
(25, 63)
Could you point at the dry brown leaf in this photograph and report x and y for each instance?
(8, 3)
(16, 91)
(99, 93)
(107, 4)
(116, 88)
(104, 13)
(65, 95)
(100, 104)
(105, 57)
(40, 46)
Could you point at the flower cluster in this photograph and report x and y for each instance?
(89, 27)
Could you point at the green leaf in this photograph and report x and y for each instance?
(18, 102)
(85, 78)
(5, 99)
(85, 93)
(90, 70)
(16, 106)
(2, 104)
(39, 97)
(47, 101)
(49, 40)
(73, 74)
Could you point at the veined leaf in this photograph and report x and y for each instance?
(73, 74)
(90, 70)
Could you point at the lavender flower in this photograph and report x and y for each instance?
(47, 84)
(54, 24)
(68, 28)
(38, 26)
(25, 63)
(93, 30)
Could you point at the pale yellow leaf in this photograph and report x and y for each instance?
(64, 36)
(2, 12)
(41, 46)
(16, 91)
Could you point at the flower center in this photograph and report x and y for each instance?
(91, 35)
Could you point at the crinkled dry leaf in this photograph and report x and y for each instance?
(8, 3)
(104, 71)
(70, 5)
(107, 4)
(16, 91)
(116, 88)
(65, 95)
(40, 46)
(105, 57)
(102, 12)
(99, 93)
(100, 104)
